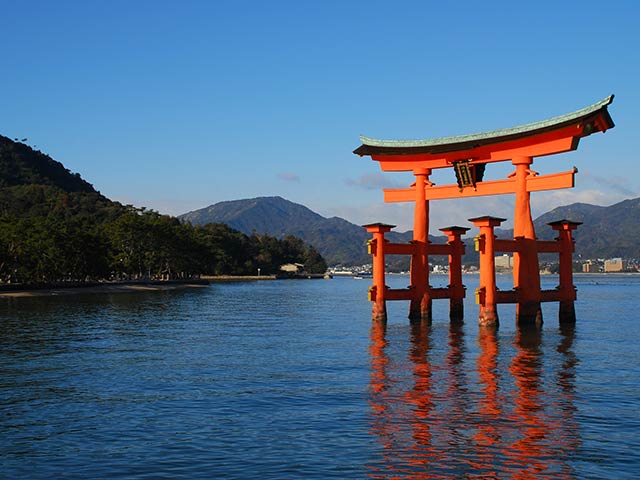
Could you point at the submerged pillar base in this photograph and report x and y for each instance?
(456, 310)
(488, 316)
(528, 313)
(567, 313)
(379, 312)
(420, 310)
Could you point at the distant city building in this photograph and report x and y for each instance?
(613, 265)
(504, 262)
(590, 267)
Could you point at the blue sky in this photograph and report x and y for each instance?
(178, 105)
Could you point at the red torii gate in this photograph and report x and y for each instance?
(468, 155)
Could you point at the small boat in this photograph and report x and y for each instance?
(342, 273)
(362, 276)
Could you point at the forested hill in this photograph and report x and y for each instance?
(612, 231)
(273, 215)
(55, 227)
(340, 242)
(21, 165)
(606, 232)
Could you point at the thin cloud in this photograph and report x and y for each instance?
(617, 184)
(442, 213)
(372, 181)
(289, 177)
(543, 203)
(393, 213)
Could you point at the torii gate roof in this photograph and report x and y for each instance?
(554, 135)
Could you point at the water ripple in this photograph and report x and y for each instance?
(285, 380)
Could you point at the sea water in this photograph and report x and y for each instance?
(290, 379)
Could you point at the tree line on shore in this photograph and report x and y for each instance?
(51, 235)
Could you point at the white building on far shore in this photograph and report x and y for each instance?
(504, 262)
(614, 265)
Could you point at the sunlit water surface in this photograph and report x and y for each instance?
(288, 379)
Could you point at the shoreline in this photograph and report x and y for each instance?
(237, 278)
(17, 291)
(110, 287)
(156, 286)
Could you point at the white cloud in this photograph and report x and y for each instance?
(289, 176)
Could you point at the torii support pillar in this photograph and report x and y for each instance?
(378, 291)
(420, 307)
(526, 269)
(486, 293)
(567, 312)
(456, 288)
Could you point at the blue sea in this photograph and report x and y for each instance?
(290, 379)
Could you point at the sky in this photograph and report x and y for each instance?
(177, 105)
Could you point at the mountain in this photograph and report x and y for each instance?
(338, 241)
(607, 231)
(265, 214)
(344, 242)
(21, 165)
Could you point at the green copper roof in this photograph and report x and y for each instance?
(462, 142)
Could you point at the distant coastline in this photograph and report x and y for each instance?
(236, 278)
(19, 291)
(77, 288)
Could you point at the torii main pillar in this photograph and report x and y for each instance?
(420, 307)
(526, 273)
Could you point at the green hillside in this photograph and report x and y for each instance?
(55, 227)
(21, 165)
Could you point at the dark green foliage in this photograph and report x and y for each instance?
(21, 165)
(54, 227)
(78, 237)
(272, 251)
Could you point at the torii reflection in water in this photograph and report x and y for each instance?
(433, 417)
